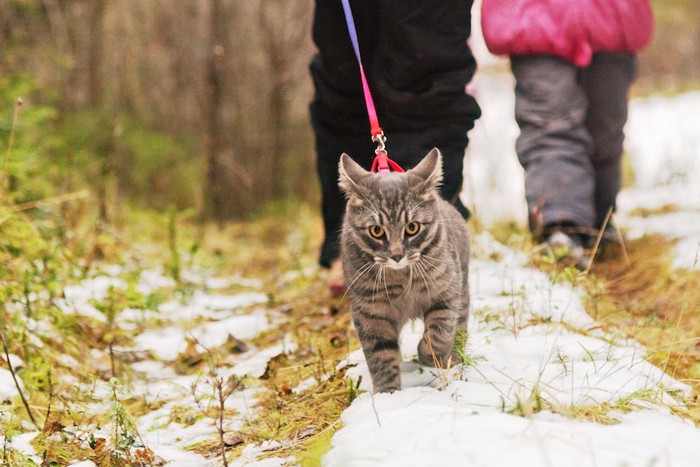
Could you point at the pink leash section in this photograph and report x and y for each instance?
(381, 162)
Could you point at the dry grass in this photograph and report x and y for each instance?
(280, 249)
(302, 421)
(655, 304)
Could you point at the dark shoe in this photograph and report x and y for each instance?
(566, 247)
(610, 236)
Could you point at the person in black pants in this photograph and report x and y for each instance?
(418, 64)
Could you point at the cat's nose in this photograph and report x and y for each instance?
(397, 258)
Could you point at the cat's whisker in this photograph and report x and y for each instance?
(386, 287)
(366, 267)
(422, 272)
(436, 262)
(410, 280)
(377, 281)
(361, 272)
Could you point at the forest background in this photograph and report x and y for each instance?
(200, 106)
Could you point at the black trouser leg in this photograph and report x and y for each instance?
(606, 83)
(417, 64)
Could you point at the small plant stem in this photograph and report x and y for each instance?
(613, 218)
(112, 363)
(14, 378)
(220, 422)
(597, 240)
(172, 242)
(51, 394)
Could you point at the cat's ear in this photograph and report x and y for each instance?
(430, 170)
(350, 177)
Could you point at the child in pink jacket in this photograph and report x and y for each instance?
(574, 62)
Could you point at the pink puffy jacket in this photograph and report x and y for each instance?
(571, 29)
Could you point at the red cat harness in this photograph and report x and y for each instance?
(381, 162)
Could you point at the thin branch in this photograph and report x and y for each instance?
(50, 201)
(14, 377)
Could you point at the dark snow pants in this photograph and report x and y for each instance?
(571, 133)
(418, 64)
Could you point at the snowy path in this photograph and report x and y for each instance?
(533, 346)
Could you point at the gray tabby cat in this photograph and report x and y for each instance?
(406, 255)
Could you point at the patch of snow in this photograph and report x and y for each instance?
(15, 361)
(493, 188)
(228, 302)
(422, 426)
(224, 282)
(169, 342)
(663, 139)
(255, 363)
(152, 280)
(203, 305)
(165, 343)
(22, 444)
(181, 458)
(304, 385)
(8, 389)
(250, 454)
(215, 333)
(687, 254)
(78, 298)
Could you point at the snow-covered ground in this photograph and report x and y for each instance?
(538, 364)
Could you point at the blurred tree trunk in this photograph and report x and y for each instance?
(283, 28)
(95, 53)
(95, 101)
(218, 199)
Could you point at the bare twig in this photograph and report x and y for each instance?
(14, 377)
(64, 198)
(598, 240)
(221, 396)
(621, 239)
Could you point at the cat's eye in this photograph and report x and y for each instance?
(377, 231)
(412, 228)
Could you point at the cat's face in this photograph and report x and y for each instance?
(391, 216)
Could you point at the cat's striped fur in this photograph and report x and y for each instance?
(406, 256)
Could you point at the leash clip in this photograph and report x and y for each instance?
(380, 139)
(381, 162)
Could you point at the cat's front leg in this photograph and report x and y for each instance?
(379, 336)
(436, 346)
